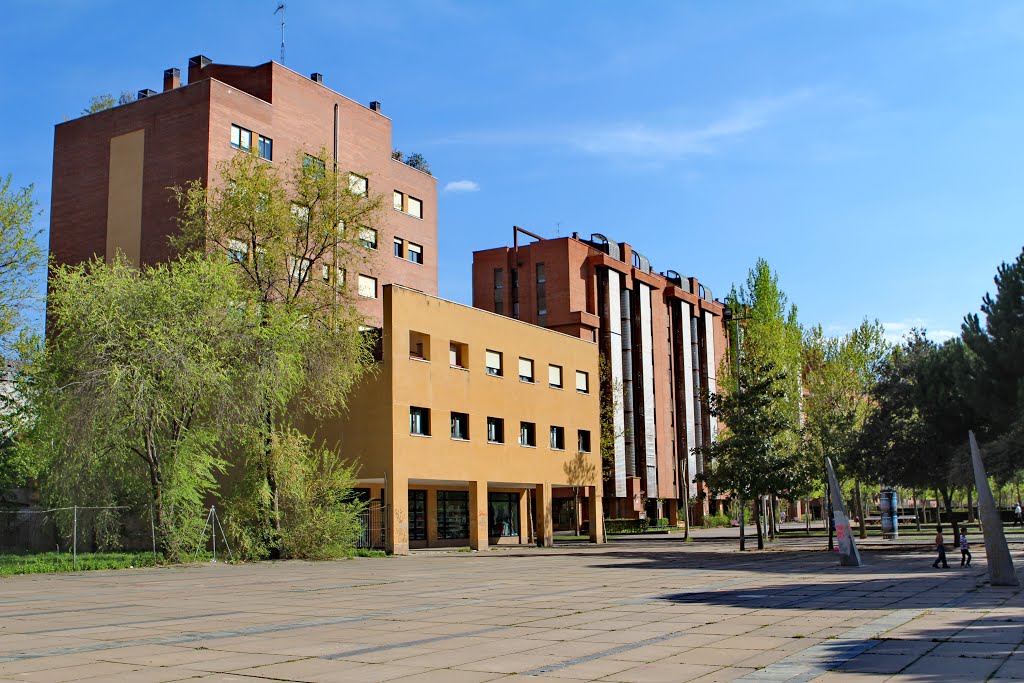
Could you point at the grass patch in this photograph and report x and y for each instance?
(46, 563)
(365, 552)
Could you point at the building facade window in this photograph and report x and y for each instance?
(526, 370)
(238, 251)
(499, 291)
(528, 434)
(298, 268)
(582, 382)
(266, 148)
(399, 202)
(555, 376)
(419, 345)
(415, 253)
(557, 438)
(358, 185)
(399, 247)
(368, 237)
(583, 441)
(419, 421)
(367, 287)
(417, 515)
(458, 355)
(542, 297)
(241, 138)
(313, 165)
(414, 207)
(495, 430)
(452, 514)
(460, 426)
(493, 360)
(503, 513)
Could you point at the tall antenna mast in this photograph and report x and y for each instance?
(280, 8)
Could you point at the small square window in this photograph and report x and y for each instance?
(399, 247)
(367, 287)
(460, 426)
(555, 376)
(415, 253)
(419, 421)
(419, 345)
(358, 185)
(266, 148)
(298, 268)
(399, 201)
(557, 438)
(582, 382)
(457, 353)
(528, 434)
(493, 360)
(368, 237)
(495, 430)
(300, 213)
(583, 441)
(241, 138)
(238, 251)
(525, 370)
(415, 208)
(313, 166)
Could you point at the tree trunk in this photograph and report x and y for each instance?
(826, 509)
(760, 528)
(917, 511)
(947, 498)
(807, 516)
(860, 511)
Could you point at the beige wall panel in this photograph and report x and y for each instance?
(124, 196)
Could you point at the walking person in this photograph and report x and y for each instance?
(965, 550)
(1017, 519)
(941, 547)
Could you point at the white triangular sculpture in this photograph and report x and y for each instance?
(1000, 564)
(848, 555)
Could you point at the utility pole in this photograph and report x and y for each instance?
(280, 8)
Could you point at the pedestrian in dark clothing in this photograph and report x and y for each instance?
(941, 547)
(965, 550)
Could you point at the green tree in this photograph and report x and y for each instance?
(106, 101)
(21, 257)
(291, 236)
(995, 381)
(130, 392)
(417, 161)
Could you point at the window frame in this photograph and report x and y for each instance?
(586, 382)
(265, 147)
(359, 283)
(355, 178)
(238, 145)
(579, 441)
(499, 371)
(424, 415)
(527, 379)
(556, 435)
(498, 425)
(527, 433)
(399, 248)
(413, 248)
(361, 239)
(458, 418)
(561, 376)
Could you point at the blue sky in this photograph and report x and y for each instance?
(870, 151)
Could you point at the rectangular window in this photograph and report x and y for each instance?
(368, 237)
(460, 426)
(582, 382)
(495, 430)
(528, 434)
(241, 138)
(399, 201)
(419, 345)
(542, 297)
(583, 441)
(313, 166)
(238, 251)
(419, 421)
(499, 291)
(452, 514)
(300, 213)
(493, 360)
(367, 287)
(266, 148)
(415, 208)
(558, 438)
(358, 185)
(525, 370)
(415, 253)
(457, 352)
(555, 376)
(417, 515)
(298, 268)
(503, 513)
(399, 247)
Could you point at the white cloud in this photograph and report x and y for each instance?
(896, 332)
(462, 186)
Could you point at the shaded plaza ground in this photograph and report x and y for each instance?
(648, 609)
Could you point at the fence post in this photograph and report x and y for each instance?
(152, 529)
(74, 540)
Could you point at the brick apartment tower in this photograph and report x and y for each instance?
(663, 336)
(112, 169)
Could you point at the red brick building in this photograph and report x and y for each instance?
(112, 169)
(662, 335)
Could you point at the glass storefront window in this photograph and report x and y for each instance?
(503, 513)
(453, 514)
(417, 515)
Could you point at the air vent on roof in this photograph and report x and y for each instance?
(200, 61)
(375, 106)
(317, 77)
(146, 93)
(172, 79)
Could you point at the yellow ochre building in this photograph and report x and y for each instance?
(469, 422)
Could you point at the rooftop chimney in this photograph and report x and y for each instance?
(199, 61)
(172, 79)
(317, 77)
(375, 106)
(143, 94)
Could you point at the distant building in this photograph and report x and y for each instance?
(663, 338)
(469, 423)
(112, 169)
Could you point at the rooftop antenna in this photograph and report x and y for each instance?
(280, 8)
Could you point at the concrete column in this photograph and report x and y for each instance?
(524, 516)
(544, 516)
(478, 527)
(596, 518)
(673, 512)
(398, 516)
(431, 517)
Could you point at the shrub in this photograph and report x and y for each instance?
(625, 526)
(715, 521)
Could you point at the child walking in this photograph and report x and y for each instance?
(941, 547)
(965, 550)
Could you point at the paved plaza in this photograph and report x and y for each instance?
(632, 611)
